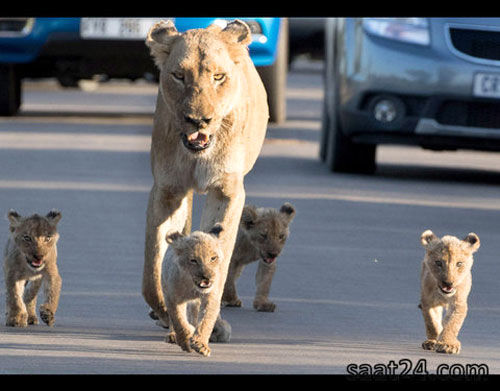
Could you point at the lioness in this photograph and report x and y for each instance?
(191, 276)
(446, 282)
(209, 125)
(261, 236)
(30, 258)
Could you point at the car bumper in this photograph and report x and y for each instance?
(434, 84)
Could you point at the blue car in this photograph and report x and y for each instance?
(71, 49)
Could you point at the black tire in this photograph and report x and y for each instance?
(10, 87)
(274, 78)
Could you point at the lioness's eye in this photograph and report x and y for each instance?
(219, 77)
(439, 263)
(27, 238)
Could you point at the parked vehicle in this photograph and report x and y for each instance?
(71, 49)
(431, 82)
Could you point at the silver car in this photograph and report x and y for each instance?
(432, 82)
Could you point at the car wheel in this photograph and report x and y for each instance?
(10, 85)
(274, 78)
(341, 153)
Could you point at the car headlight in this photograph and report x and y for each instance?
(411, 30)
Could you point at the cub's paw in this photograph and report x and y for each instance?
(429, 344)
(19, 320)
(452, 347)
(200, 347)
(264, 306)
(170, 338)
(233, 303)
(47, 316)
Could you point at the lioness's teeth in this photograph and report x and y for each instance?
(192, 136)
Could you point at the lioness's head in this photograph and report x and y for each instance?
(449, 259)
(198, 255)
(267, 229)
(35, 236)
(199, 77)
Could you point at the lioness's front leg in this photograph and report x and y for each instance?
(167, 211)
(432, 318)
(448, 341)
(263, 280)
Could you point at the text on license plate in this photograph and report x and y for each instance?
(487, 85)
(116, 28)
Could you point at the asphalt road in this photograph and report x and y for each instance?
(347, 284)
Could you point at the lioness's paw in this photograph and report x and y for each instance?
(265, 306)
(448, 347)
(19, 320)
(47, 316)
(429, 344)
(200, 347)
(233, 303)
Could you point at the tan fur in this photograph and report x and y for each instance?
(32, 241)
(446, 281)
(262, 235)
(192, 283)
(210, 90)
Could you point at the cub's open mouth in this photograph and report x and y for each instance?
(204, 284)
(268, 260)
(447, 290)
(196, 141)
(35, 263)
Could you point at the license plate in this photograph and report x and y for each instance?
(487, 85)
(116, 28)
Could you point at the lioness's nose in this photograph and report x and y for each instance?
(199, 122)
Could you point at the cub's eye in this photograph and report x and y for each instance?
(48, 238)
(263, 236)
(214, 258)
(27, 238)
(219, 77)
(439, 263)
(460, 264)
(193, 261)
(178, 75)
(282, 237)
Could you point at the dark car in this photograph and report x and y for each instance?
(430, 82)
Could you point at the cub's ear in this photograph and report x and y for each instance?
(216, 230)
(160, 39)
(14, 219)
(173, 237)
(238, 31)
(54, 216)
(288, 210)
(473, 241)
(428, 237)
(249, 216)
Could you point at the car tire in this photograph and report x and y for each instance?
(10, 85)
(274, 78)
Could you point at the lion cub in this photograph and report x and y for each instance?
(446, 282)
(30, 260)
(261, 235)
(192, 282)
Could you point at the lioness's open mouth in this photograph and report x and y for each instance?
(196, 141)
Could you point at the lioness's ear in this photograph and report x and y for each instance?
(159, 40)
(249, 216)
(216, 230)
(173, 237)
(238, 31)
(14, 219)
(54, 216)
(428, 237)
(473, 241)
(288, 210)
